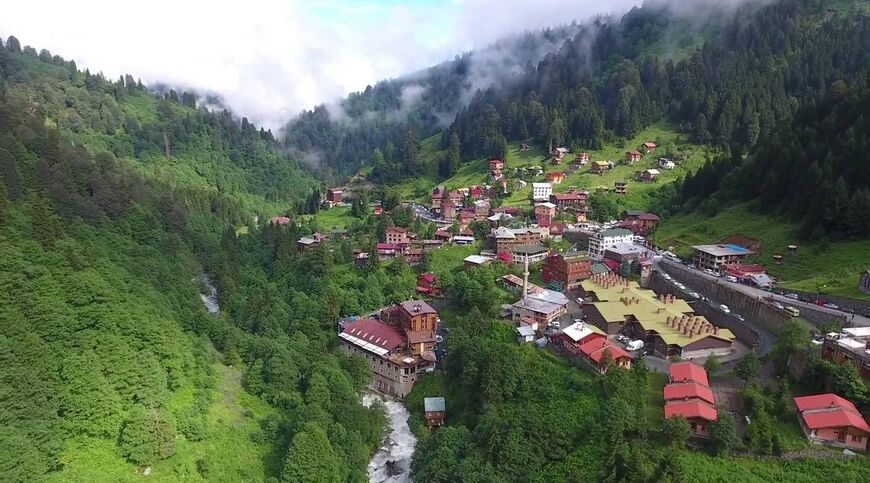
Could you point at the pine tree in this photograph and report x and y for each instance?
(311, 457)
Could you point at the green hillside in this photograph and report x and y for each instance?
(832, 267)
(640, 194)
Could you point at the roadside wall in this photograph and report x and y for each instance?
(858, 306)
(762, 313)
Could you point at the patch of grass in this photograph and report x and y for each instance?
(337, 218)
(833, 267)
(655, 401)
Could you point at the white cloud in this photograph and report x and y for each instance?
(269, 59)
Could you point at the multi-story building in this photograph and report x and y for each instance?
(397, 236)
(541, 191)
(530, 253)
(600, 241)
(832, 420)
(620, 187)
(575, 199)
(568, 269)
(539, 308)
(505, 239)
(713, 257)
(688, 395)
(418, 320)
(389, 350)
(544, 214)
(333, 196)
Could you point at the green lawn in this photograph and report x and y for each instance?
(833, 267)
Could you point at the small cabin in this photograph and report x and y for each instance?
(434, 411)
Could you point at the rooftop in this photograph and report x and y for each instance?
(546, 205)
(373, 336)
(829, 411)
(687, 390)
(692, 408)
(857, 331)
(613, 232)
(417, 307)
(530, 249)
(672, 318)
(541, 185)
(579, 331)
(595, 349)
(434, 404)
(526, 331)
(476, 259)
(723, 250)
(688, 372)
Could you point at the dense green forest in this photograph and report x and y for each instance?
(812, 169)
(727, 80)
(113, 201)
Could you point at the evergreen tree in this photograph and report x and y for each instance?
(311, 457)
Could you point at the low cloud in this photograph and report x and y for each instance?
(269, 59)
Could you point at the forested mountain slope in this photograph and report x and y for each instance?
(108, 361)
(726, 78)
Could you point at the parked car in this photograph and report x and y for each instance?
(634, 345)
(622, 338)
(679, 286)
(709, 272)
(778, 305)
(580, 300)
(554, 324)
(724, 308)
(740, 317)
(731, 278)
(439, 339)
(793, 296)
(694, 295)
(666, 276)
(832, 306)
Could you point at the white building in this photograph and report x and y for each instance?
(542, 191)
(599, 242)
(666, 163)
(534, 254)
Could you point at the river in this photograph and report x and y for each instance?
(398, 445)
(209, 298)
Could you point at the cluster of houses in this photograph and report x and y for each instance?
(688, 395)
(398, 343)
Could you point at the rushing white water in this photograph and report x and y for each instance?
(209, 299)
(398, 445)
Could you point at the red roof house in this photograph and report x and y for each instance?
(476, 192)
(649, 146)
(831, 419)
(688, 372)
(280, 220)
(594, 349)
(376, 333)
(693, 410)
(633, 156)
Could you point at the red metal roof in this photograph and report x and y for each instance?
(387, 246)
(396, 229)
(687, 390)
(688, 371)
(823, 401)
(377, 333)
(569, 196)
(693, 408)
(648, 217)
(428, 277)
(594, 349)
(830, 411)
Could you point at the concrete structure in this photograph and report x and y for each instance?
(473, 261)
(602, 240)
(689, 395)
(568, 269)
(530, 253)
(666, 323)
(434, 410)
(851, 346)
(713, 257)
(625, 252)
(539, 307)
(832, 420)
(525, 334)
(541, 191)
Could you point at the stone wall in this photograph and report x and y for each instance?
(762, 313)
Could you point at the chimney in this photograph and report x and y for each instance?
(715, 330)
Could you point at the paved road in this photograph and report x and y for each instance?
(766, 340)
(854, 319)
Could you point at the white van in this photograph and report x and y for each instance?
(634, 345)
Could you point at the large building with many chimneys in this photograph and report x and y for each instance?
(668, 324)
